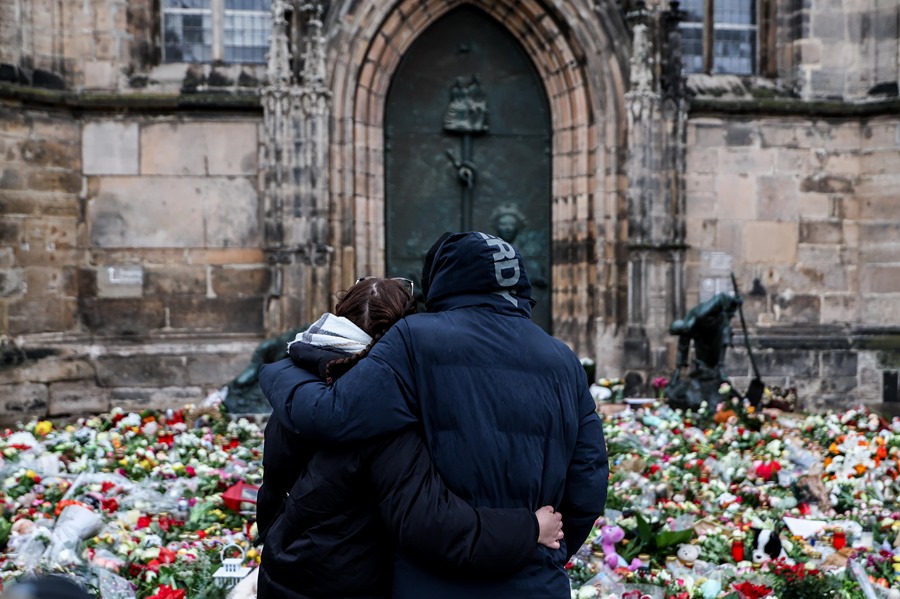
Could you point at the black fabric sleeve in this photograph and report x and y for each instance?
(285, 457)
(587, 478)
(439, 529)
(313, 359)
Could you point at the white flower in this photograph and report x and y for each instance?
(131, 420)
(588, 591)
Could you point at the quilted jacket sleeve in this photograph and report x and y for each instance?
(587, 477)
(372, 399)
(439, 529)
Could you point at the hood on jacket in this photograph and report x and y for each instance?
(476, 268)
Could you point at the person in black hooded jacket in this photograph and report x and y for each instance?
(505, 409)
(330, 516)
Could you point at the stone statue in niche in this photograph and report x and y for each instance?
(708, 326)
(467, 111)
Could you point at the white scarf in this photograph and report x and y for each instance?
(334, 332)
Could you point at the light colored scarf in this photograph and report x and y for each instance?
(334, 332)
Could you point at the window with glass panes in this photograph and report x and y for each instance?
(719, 36)
(231, 31)
(247, 26)
(187, 30)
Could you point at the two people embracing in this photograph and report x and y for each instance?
(454, 453)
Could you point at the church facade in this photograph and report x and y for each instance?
(182, 179)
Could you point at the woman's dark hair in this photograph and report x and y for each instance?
(373, 305)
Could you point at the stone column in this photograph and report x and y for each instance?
(295, 171)
(656, 116)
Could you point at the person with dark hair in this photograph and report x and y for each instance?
(505, 409)
(330, 516)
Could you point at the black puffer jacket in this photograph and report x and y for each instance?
(505, 408)
(334, 535)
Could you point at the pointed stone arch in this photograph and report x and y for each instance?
(581, 59)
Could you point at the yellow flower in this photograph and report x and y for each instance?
(30, 473)
(43, 427)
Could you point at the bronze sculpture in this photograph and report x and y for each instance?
(708, 325)
(244, 395)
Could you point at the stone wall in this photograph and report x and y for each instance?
(132, 257)
(847, 49)
(806, 208)
(136, 265)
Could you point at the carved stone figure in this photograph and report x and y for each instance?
(509, 223)
(708, 325)
(467, 111)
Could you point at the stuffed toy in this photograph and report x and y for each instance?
(609, 536)
(767, 546)
(687, 553)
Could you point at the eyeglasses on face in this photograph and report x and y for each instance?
(407, 283)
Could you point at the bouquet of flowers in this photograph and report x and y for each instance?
(129, 502)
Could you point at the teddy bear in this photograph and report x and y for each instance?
(688, 554)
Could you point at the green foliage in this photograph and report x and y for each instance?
(656, 542)
(5, 528)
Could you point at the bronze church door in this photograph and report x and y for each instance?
(467, 147)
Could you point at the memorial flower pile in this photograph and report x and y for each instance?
(728, 503)
(130, 503)
(734, 503)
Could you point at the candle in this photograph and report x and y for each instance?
(838, 539)
(737, 546)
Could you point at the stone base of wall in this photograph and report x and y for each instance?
(69, 379)
(831, 367)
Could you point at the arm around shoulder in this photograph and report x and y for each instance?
(341, 412)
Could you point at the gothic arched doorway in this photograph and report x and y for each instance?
(468, 147)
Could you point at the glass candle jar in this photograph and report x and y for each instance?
(737, 546)
(838, 539)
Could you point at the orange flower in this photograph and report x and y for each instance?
(65, 502)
